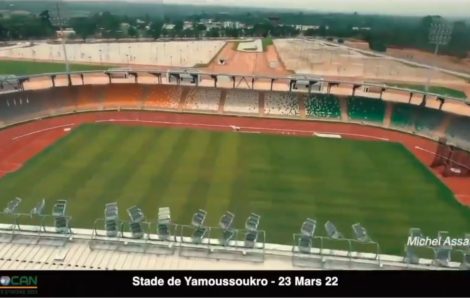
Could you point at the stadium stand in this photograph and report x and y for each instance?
(403, 116)
(17, 107)
(62, 100)
(458, 132)
(418, 119)
(285, 104)
(89, 97)
(241, 101)
(165, 97)
(323, 106)
(122, 96)
(366, 109)
(427, 120)
(204, 99)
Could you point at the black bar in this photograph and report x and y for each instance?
(237, 283)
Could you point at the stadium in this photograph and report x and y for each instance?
(247, 161)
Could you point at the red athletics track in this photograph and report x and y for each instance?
(19, 143)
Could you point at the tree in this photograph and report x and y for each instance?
(232, 32)
(156, 29)
(3, 33)
(459, 44)
(132, 32)
(45, 18)
(84, 27)
(213, 32)
(376, 43)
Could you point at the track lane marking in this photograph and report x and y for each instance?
(41, 130)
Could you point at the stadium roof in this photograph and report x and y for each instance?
(33, 253)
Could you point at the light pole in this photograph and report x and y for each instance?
(64, 47)
(440, 34)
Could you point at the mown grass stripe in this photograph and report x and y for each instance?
(185, 175)
(198, 191)
(222, 178)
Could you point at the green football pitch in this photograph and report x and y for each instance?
(13, 67)
(284, 179)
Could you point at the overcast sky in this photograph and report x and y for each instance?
(399, 7)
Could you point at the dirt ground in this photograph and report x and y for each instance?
(332, 61)
(264, 63)
(444, 61)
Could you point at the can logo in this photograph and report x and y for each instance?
(4, 280)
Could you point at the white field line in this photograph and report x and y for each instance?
(241, 127)
(428, 151)
(327, 135)
(41, 130)
(435, 154)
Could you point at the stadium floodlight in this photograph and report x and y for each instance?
(198, 218)
(442, 253)
(251, 225)
(12, 206)
(225, 222)
(308, 227)
(440, 34)
(200, 231)
(252, 222)
(360, 233)
(465, 264)
(111, 224)
(64, 47)
(332, 231)
(163, 222)
(304, 240)
(135, 214)
(39, 208)
(59, 208)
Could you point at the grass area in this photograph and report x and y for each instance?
(444, 91)
(284, 179)
(267, 41)
(29, 67)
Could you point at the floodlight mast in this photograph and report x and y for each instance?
(64, 48)
(440, 34)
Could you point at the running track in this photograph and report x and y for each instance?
(21, 142)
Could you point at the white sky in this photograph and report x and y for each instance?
(459, 8)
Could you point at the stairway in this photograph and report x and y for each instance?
(442, 129)
(184, 94)
(343, 103)
(261, 103)
(223, 95)
(301, 100)
(388, 114)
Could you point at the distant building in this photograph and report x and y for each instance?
(274, 20)
(307, 27)
(360, 28)
(232, 25)
(187, 25)
(67, 33)
(124, 27)
(228, 24)
(168, 26)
